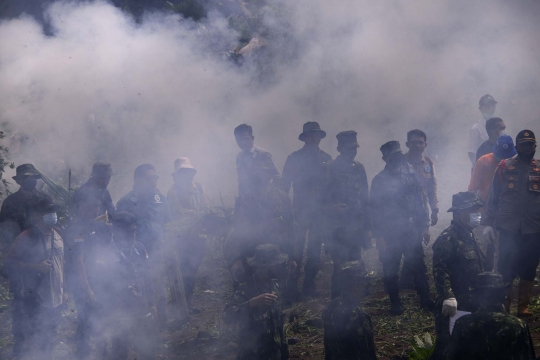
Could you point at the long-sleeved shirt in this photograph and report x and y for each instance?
(482, 176)
(255, 169)
(397, 204)
(425, 173)
(306, 171)
(103, 194)
(514, 198)
(477, 135)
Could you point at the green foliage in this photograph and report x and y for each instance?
(422, 348)
(3, 164)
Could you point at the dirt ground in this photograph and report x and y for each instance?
(206, 337)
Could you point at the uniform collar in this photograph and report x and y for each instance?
(409, 159)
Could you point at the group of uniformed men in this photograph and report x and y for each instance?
(264, 249)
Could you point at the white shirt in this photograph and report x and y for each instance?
(477, 135)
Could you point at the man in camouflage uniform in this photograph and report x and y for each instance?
(257, 307)
(14, 219)
(513, 206)
(400, 222)
(98, 182)
(348, 333)
(457, 259)
(187, 199)
(262, 213)
(305, 169)
(150, 208)
(347, 204)
(490, 333)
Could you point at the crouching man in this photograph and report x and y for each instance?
(257, 307)
(348, 333)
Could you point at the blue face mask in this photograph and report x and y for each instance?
(474, 219)
(50, 219)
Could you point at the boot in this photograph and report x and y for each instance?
(422, 288)
(396, 307)
(391, 285)
(524, 298)
(508, 300)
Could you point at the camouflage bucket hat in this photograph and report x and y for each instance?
(26, 170)
(465, 200)
(347, 138)
(489, 280)
(267, 255)
(311, 127)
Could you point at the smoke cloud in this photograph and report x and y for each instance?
(103, 86)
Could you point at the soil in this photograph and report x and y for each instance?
(205, 336)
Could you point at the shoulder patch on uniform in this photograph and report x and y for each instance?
(157, 198)
(427, 168)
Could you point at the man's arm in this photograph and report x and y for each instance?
(492, 204)
(287, 177)
(15, 258)
(442, 253)
(473, 144)
(237, 310)
(476, 177)
(376, 197)
(432, 190)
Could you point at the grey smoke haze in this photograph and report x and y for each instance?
(104, 87)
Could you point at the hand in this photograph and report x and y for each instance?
(488, 233)
(43, 267)
(263, 300)
(153, 311)
(291, 266)
(449, 307)
(434, 218)
(426, 237)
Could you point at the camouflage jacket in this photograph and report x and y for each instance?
(261, 330)
(491, 334)
(17, 206)
(306, 172)
(457, 259)
(347, 184)
(255, 170)
(348, 333)
(398, 204)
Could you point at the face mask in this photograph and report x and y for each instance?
(50, 219)
(487, 116)
(474, 219)
(502, 132)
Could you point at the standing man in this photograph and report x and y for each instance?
(424, 169)
(478, 133)
(151, 210)
(400, 223)
(495, 128)
(457, 259)
(35, 266)
(15, 218)
(97, 184)
(481, 179)
(347, 204)
(262, 213)
(187, 199)
(490, 332)
(305, 170)
(513, 206)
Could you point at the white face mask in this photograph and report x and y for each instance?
(487, 116)
(50, 219)
(502, 132)
(474, 219)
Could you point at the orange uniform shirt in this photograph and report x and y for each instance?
(482, 175)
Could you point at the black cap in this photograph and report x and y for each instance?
(465, 200)
(489, 280)
(26, 170)
(391, 148)
(487, 99)
(525, 136)
(102, 168)
(345, 138)
(309, 127)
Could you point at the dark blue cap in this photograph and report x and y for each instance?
(504, 148)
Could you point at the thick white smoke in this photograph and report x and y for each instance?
(105, 87)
